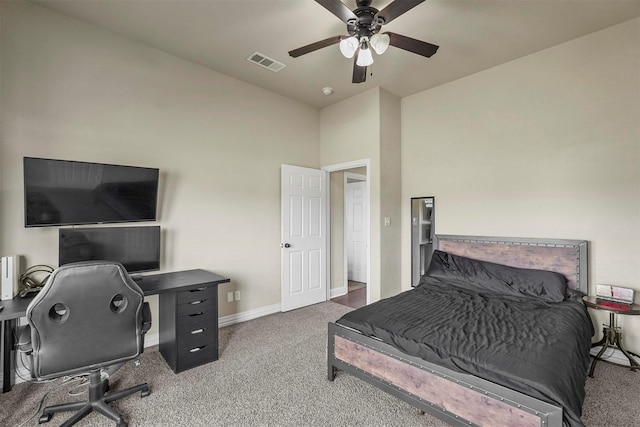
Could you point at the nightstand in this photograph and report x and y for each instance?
(611, 334)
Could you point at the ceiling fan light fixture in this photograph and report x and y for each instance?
(349, 46)
(363, 33)
(380, 43)
(365, 58)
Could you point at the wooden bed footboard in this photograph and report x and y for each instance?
(457, 398)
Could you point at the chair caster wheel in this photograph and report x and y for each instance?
(145, 393)
(45, 418)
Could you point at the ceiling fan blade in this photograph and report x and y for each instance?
(395, 9)
(359, 73)
(412, 45)
(339, 9)
(314, 46)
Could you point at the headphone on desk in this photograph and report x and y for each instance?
(35, 277)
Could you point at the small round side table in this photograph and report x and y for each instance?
(612, 334)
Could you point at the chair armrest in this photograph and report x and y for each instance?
(23, 345)
(146, 318)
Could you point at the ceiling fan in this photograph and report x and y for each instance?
(363, 25)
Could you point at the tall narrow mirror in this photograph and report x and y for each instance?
(422, 229)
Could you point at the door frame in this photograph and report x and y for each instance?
(361, 178)
(337, 168)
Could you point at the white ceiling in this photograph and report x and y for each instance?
(473, 35)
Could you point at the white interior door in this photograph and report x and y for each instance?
(356, 228)
(304, 236)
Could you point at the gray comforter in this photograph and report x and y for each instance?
(529, 344)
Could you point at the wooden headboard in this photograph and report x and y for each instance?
(567, 257)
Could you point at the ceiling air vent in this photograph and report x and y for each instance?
(265, 62)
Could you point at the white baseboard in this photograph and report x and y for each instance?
(232, 319)
(154, 339)
(151, 339)
(338, 292)
(613, 355)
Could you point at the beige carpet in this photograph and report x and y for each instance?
(272, 372)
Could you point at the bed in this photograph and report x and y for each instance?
(514, 356)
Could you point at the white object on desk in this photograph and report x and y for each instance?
(10, 268)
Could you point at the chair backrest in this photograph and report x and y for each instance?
(87, 316)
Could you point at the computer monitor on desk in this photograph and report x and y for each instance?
(136, 248)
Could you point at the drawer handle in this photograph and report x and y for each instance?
(197, 331)
(197, 302)
(196, 314)
(198, 290)
(196, 349)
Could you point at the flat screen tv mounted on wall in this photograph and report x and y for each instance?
(136, 248)
(64, 192)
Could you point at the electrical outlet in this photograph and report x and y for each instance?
(237, 295)
(229, 296)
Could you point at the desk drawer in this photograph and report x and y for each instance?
(203, 293)
(197, 306)
(207, 319)
(195, 356)
(197, 338)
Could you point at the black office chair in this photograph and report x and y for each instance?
(88, 317)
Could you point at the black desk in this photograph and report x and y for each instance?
(188, 311)
(12, 311)
(188, 321)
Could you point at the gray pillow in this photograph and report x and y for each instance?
(487, 276)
